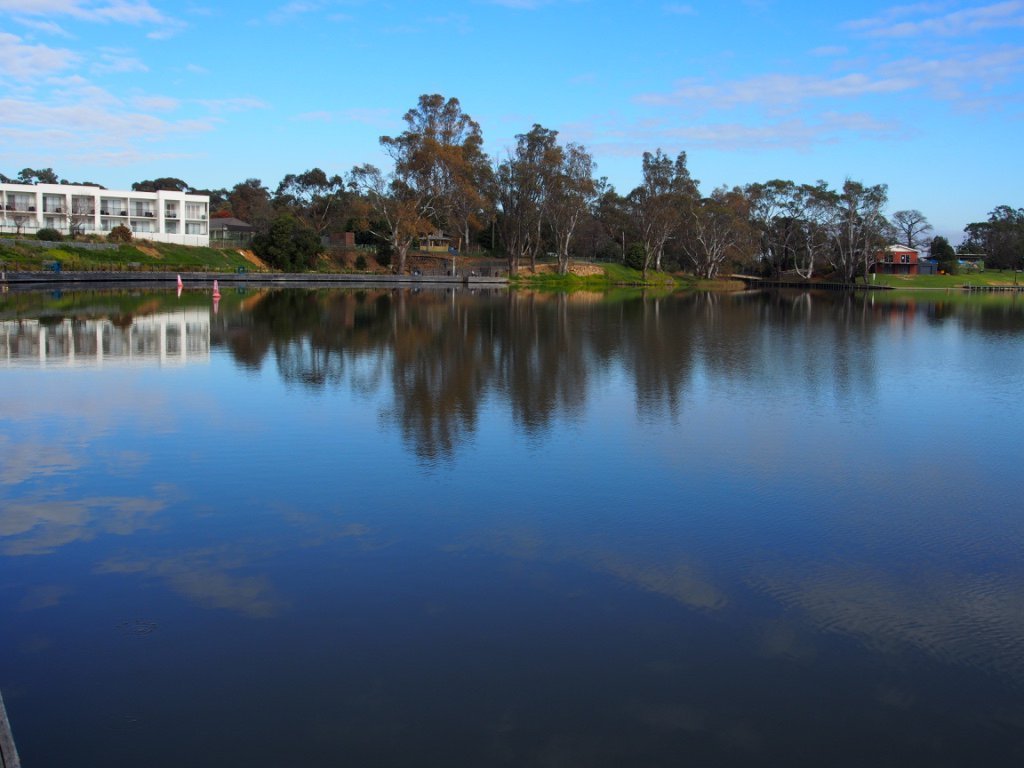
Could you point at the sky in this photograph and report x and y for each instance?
(923, 97)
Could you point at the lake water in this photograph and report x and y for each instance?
(394, 528)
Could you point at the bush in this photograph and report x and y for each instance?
(360, 262)
(635, 256)
(48, 233)
(384, 253)
(120, 234)
(289, 245)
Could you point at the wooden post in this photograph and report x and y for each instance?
(8, 753)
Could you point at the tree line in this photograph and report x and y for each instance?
(541, 198)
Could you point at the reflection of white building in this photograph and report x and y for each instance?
(165, 338)
(164, 217)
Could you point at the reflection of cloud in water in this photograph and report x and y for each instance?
(679, 580)
(971, 620)
(40, 527)
(206, 577)
(31, 460)
(44, 596)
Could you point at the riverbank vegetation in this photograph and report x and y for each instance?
(543, 200)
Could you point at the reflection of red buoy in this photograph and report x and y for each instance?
(216, 290)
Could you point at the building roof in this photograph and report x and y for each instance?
(230, 223)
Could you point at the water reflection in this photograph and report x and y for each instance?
(520, 528)
(167, 338)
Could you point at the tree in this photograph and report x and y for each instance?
(857, 227)
(316, 199)
(570, 191)
(911, 228)
(250, 202)
(522, 182)
(34, 176)
(718, 228)
(811, 211)
(944, 254)
(440, 153)
(394, 210)
(163, 184)
(288, 245)
(659, 205)
(1001, 238)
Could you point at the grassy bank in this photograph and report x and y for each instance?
(139, 256)
(990, 277)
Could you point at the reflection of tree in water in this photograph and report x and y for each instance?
(447, 352)
(658, 342)
(542, 357)
(442, 365)
(313, 334)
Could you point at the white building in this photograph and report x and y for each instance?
(164, 217)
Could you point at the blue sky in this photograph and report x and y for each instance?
(924, 97)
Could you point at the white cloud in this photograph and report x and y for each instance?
(113, 62)
(931, 21)
(799, 133)
(237, 104)
(21, 61)
(829, 50)
(776, 90)
(47, 27)
(157, 103)
(679, 9)
(132, 12)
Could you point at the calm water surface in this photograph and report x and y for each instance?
(392, 528)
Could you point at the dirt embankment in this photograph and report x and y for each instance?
(580, 270)
(253, 259)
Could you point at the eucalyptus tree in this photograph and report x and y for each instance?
(523, 181)
(774, 213)
(718, 227)
(811, 208)
(570, 191)
(440, 153)
(392, 208)
(659, 205)
(319, 201)
(250, 202)
(857, 227)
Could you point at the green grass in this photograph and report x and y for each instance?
(988, 277)
(613, 276)
(143, 256)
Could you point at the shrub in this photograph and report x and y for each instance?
(120, 234)
(48, 233)
(384, 253)
(288, 245)
(635, 256)
(360, 262)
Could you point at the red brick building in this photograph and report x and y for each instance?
(897, 260)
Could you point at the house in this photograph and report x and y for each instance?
(230, 231)
(435, 243)
(897, 260)
(163, 217)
